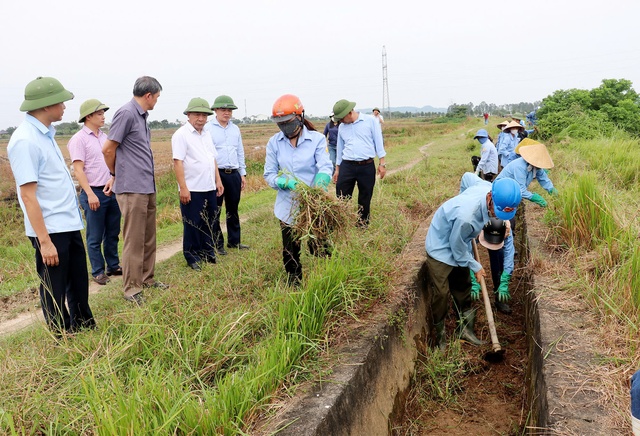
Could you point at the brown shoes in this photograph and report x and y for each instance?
(101, 279)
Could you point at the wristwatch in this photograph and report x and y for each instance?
(382, 165)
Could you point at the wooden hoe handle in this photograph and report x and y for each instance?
(487, 304)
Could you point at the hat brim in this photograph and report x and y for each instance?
(505, 215)
(199, 110)
(226, 106)
(283, 118)
(339, 116)
(489, 245)
(49, 100)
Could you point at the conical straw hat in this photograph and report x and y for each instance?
(537, 155)
(513, 124)
(502, 124)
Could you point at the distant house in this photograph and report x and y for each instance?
(3, 132)
(259, 117)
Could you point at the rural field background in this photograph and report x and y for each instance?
(214, 353)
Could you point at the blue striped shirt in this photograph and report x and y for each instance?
(228, 142)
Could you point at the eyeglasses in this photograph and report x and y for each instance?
(225, 110)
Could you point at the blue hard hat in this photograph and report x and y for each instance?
(506, 197)
(481, 134)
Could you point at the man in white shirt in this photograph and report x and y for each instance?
(194, 162)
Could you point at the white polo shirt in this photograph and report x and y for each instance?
(198, 154)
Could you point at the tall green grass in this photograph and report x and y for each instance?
(597, 215)
(586, 213)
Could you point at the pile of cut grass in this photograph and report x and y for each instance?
(320, 217)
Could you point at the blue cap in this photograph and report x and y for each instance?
(506, 197)
(481, 134)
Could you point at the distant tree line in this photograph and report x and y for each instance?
(471, 110)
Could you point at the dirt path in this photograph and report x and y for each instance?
(22, 310)
(33, 313)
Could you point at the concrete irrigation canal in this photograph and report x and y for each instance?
(541, 387)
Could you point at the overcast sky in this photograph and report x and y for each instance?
(438, 52)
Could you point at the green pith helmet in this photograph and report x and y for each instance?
(342, 108)
(89, 107)
(43, 92)
(223, 102)
(199, 105)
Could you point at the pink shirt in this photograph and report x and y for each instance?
(85, 146)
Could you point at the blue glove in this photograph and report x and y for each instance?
(537, 199)
(503, 288)
(322, 180)
(285, 182)
(475, 286)
(553, 191)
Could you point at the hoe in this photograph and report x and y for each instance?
(497, 353)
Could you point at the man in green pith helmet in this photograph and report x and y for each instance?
(359, 141)
(233, 171)
(194, 162)
(101, 210)
(48, 201)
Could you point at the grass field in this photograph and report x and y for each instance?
(209, 356)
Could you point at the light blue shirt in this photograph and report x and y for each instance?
(507, 148)
(360, 140)
(303, 162)
(228, 142)
(488, 158)
(523, 173)
(455, 224)
(468, 180)
(499, 141)
(35, 157)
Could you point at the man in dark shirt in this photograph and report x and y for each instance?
(331, 133)
(128, 155)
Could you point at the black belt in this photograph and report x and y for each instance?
(358, 162)
(98, 187)
(229, 170)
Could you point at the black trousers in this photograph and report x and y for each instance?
(291, 252)
(364, 176)
(66, 282)
(496, 260)
(197, 221)
(232, 183)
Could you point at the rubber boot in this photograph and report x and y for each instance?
(441, 335)
(502, 307)
(465, 327)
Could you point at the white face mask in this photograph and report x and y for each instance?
(514, 131)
